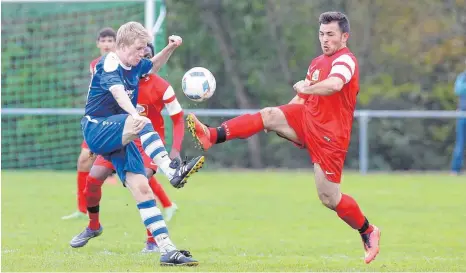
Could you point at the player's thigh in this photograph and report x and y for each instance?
(104, 135)
(127, 159)
(286, 121)
(329, 192)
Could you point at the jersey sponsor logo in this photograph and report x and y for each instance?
(130, 93)
(315, 75)
(142, 109)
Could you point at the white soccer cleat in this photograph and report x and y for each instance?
(170, 212)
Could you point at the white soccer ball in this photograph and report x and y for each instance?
(198, 84)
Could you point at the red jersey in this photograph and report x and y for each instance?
(155, 94)
(331, 117)
(93, 64)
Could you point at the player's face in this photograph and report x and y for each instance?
(147, 53)
(106, 44)
(135, 52)
(331, 38)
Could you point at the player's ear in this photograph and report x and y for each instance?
(345, 36)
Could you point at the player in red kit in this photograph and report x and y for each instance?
(155, 94)
(319, 118)
(106, 40)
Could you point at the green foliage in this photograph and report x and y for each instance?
(409, 55)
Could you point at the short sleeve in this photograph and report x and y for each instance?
(110, 75)
(145, 66)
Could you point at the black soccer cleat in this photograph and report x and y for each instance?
(184, 169)
(178, 258)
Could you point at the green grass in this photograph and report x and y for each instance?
(241, 221)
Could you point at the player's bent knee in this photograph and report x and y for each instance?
(85, 160)
(329, 200)
(100, 173)
(271, 117)
(129, 133)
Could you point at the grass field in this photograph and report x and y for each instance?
(241, 221)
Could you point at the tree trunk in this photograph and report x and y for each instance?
(211, 15)
(280, 45)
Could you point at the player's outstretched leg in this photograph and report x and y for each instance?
(348, 210)
(176, 171)
(154, 222)
(240, 127)
(93, 194)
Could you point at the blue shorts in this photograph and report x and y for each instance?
(104, 136)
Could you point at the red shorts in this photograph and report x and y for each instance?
(329, 155)
(148, 163)
(84, 145)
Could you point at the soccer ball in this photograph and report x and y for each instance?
(198, 84)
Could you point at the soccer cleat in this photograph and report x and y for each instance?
(184, 169)
(199, 131)
(170, 211)
(150, 248)
(75, 215)
(371, 244)
(178, 258)
(82, 238)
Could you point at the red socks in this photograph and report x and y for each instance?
(240, 127)
(93, 195)
(82, 176)
(159, 192)
(150, 238)
(349, 211)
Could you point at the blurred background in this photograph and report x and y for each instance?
(410, 53)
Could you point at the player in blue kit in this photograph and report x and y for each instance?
(111, 123)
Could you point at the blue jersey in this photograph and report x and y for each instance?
(110, 72)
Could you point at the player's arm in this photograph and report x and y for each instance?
(341, 73)
(119, 93)
(176, 114)
(326, 87)
(161, 58)
(112, 81)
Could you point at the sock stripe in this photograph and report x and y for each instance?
(154, 219)
(151, 147)
(146, 136)
(147, 204)
(157, 151)
(154, 137)
(159, 231)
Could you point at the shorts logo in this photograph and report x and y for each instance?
(328, 173)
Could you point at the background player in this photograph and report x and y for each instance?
(319, 118)
(154, 94)
(111, 123)
(105, 43)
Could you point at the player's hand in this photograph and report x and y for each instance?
(139, 122)
(175, 41)
(299, 86)
(174, 153)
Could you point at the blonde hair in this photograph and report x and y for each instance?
(129, 32)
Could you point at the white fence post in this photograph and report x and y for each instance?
(363, 118)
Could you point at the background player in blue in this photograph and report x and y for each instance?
(111, 123)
